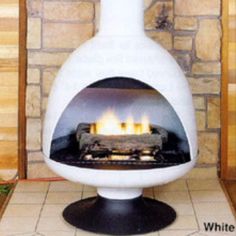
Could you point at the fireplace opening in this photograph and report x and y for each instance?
(119, 123)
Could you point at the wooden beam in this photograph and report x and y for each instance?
(22, 159)
(224, 91)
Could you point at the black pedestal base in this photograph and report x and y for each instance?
(119, 217)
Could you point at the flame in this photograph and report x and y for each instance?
(145, 124)
(109, 124)
(129, 126)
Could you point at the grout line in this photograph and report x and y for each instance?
(43, 204)
(193, 233)
(156, 192)
(195, 214)
(82, 192)
(40, 234)
(153, 193)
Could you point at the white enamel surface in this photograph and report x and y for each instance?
(117, 20)
(120, 179)
(124, 54)
(119, 193)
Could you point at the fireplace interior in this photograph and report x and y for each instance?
(131, 126)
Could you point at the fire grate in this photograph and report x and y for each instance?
(65, 151)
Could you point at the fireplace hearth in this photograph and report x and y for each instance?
(120, 118)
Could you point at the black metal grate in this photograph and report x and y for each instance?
(70, 156)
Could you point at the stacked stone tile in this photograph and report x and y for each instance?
(189, 29)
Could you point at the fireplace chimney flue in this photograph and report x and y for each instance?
(121, 18)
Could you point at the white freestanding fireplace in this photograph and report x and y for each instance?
(120, 117)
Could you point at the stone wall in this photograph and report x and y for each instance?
(189, 29)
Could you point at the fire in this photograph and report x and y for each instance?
(109, 124)
(145, 124)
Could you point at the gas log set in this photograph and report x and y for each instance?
(120, 117)
(110, 144)
(139, 147)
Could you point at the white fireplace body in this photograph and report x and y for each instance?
(121, 49)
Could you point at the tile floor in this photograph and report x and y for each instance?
(35, 208)
(231, 189)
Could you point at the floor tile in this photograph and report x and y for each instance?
(204, 233)
(80, 232)
(27, 198)
(212, 208)
(57, 233)
(208, 184)
(24, 186)
(54, 224)
(208, 196)
(178, 185)
(22, 210)
(176, 232)
(88, 188)
(51, 210)
(89, 194)
(183, 208)
(178, 197)
(148, 192)
(20, 234)
(62, 197)
(65, 186)
(156, 189)
(18, 224)
(183, 223)
(148, 234)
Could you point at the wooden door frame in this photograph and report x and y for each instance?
(224, 92)
(22, 157)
